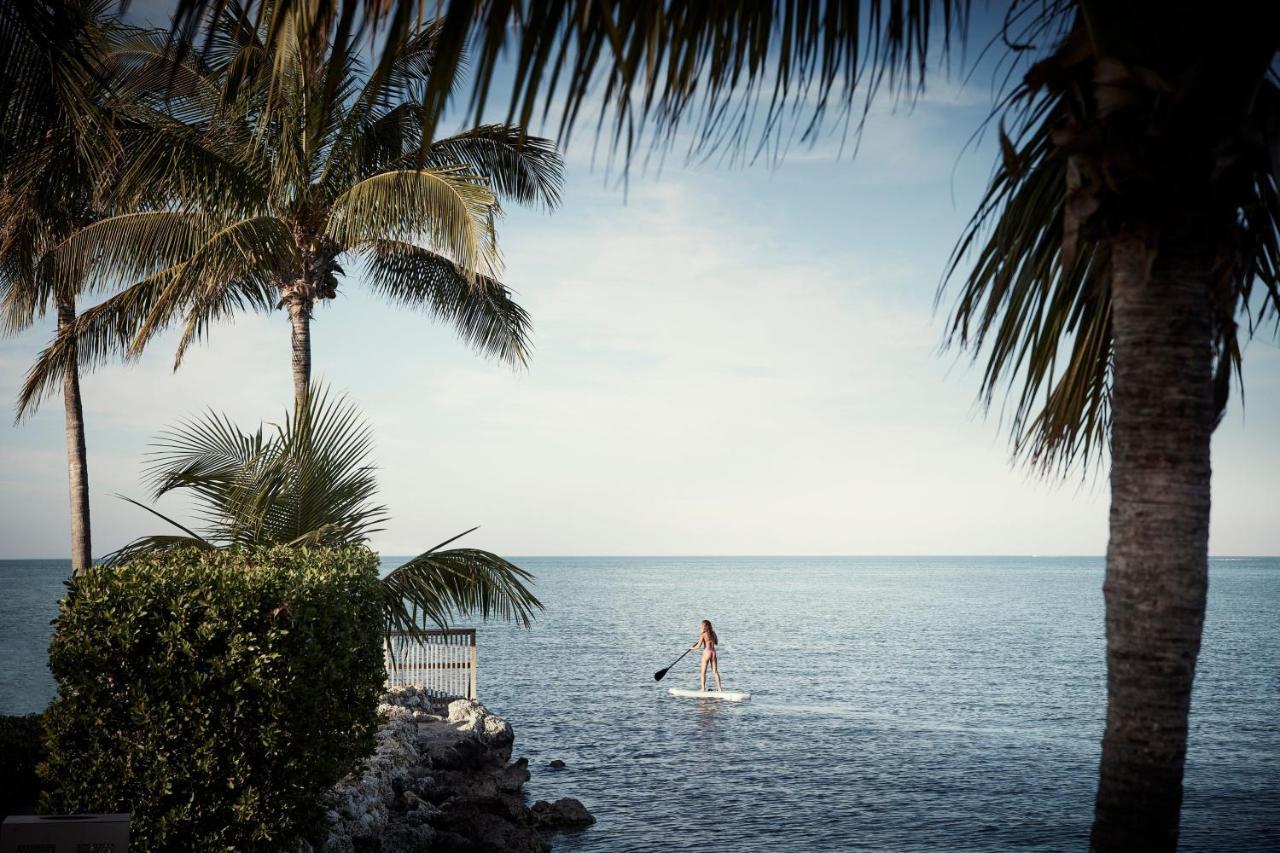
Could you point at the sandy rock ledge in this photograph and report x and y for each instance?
(442, 780)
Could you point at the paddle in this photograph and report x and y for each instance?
(658, 676)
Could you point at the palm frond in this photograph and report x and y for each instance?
(46, 375)
(144, 545)
(383, 118)
(146, 64)
(237, 265)
(308, 482)
(98, 335)
(526, 169)
(150, 544)
(1258, 227)
(437, 586)
(1020, 304)
(207, 456)
(449, 209)
(744, 75)
(230, 271)
(191, 534)
(27, 283)
(164, 161)
(406, 69)
(52, 74)
(119, 250)
(481, 310)
(101, 333)
(372, 149)
(1034, 302)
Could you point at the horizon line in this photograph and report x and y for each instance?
(671, 556)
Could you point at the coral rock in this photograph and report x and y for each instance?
(565, 813)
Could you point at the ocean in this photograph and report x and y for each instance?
(898, 703)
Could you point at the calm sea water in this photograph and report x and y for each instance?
(898, 703)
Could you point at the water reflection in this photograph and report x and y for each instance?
(710, 713)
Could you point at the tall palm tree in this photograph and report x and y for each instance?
(57, 138)
(323, 184)
(80, 141)
(309, 483)
(1135, 210)
(1130, 220)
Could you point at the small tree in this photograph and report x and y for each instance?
(308, 483)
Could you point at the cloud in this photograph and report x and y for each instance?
(701, 384)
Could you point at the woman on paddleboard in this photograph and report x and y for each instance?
(707, 639)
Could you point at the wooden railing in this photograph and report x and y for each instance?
(443, 662)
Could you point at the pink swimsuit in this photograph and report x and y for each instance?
(710, 649)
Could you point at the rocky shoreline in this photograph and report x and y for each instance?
(441, 779)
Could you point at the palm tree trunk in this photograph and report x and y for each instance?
(300, 318)
(77, 457)
(1157, 557)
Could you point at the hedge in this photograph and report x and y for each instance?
(214, 695)
(20, 752)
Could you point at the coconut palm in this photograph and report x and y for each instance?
(1132, 215)
(322, 188)
(80, 141)
(61, 149)
(1133, 219)
(308, 483)
(54, 136)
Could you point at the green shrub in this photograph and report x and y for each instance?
(215, 695)
(20, 752)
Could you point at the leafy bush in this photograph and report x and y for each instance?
(20, 752)
(215, 695)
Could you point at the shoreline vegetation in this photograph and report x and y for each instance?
(234, 697)
(439, 778)
(215, 679)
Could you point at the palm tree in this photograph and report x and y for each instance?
(57, 134)
(1128, 224)
(321, 186)
(80, 141)
(309, 483)
(1135, 210)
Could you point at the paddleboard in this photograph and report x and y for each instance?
(727, 695)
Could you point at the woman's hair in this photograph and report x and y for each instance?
(707, 629)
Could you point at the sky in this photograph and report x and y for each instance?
(727, 361)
